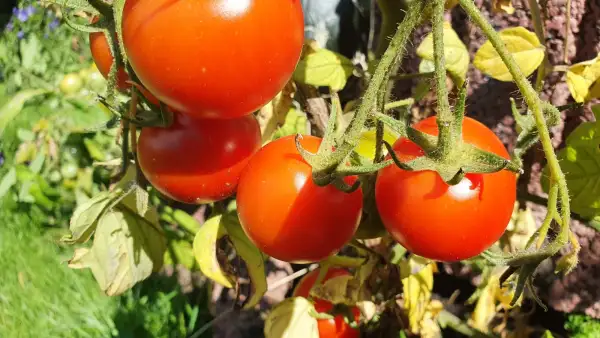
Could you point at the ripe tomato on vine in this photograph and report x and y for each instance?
(198, 161)
(442, 222)
(285, 213)
(214, 58)
(328, 328)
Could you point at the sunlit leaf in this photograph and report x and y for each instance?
(255, 261)
(292, 319)
(366, 142)
(580, 162)
(126, 249)
(455, 52)
(180, 252)
(324, 68)
(13, 107)
(274, 114)
(503, 6)
(581, 77)
(86, 217)
(8, 181)
(417, 284)
(524, 46)
(205, 251)
(521, 227)
(485, 309)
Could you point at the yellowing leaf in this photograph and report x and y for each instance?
(581, 77)
(205, 251)
(417, 286)
(485, 309)
(85, 218)
(505, 6)
(274, 113)
(324, 68)
(334, 290)
(521, 227)
(292, 318)
(524, 46)
(455, 52)
(127, 248)
(255, 261)
(366, 143)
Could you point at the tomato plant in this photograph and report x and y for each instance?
(198, 161)
(213, 58)
(285, 213)
(336, 327)
(442, 222)
(104, 59)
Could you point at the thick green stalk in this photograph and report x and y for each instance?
(535, 105)
(447, 138)
(393, 54)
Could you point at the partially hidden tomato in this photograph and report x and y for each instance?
(328, 328)
(214, 58)
(285, 213)
(103, 59)
(198, 161)
(442, 222)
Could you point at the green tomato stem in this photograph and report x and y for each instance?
(447, 138)
(535, 105)
(390, 58)
(540, 31)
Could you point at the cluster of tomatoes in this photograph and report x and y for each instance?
(214, 63)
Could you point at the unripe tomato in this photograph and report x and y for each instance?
(71, 84)
(195, 160)
(441, 222)
(214, 58)
(285, 214)
(328, 328)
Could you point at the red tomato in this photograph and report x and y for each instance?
(198, 161)
(104, 60)
(214, 58)
(442, 222)
(285, 214)
(328, 328)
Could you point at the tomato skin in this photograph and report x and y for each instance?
(214, 58)
(328, 328)
(104, 59)
(198, 161)
(285, 214)
(444, 223)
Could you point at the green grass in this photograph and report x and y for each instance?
(39, 294)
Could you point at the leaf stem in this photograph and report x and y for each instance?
(535, 105)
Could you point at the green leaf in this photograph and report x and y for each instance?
(292, 319)
(30, 52)
(86, 217)
(180, 252)
(205, 251)
(127, 248)
(38, 162)
(580, 161)
(524, 46)
(13, 107)
(74, 4)
(8, 181)
(455, 52)
(255, 261)
(366, 142)
(547, 334)
(581, 77)
(324, 68)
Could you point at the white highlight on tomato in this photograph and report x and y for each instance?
(232, 8)
(463, 190)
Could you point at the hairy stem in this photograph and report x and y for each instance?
(393, 54)
(447, 138)
(535, 105)
(540, 31)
